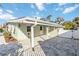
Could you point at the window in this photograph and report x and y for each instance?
(40, 27)
(28, 28)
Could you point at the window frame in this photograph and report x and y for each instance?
(41, 28)
(28, 28)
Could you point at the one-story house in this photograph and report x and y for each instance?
(27, 29)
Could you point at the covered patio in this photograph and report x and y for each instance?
(34, 31)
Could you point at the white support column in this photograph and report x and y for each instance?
(32, 36)
(47, 31)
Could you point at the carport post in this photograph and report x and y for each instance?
(32, 37)
(47, 31)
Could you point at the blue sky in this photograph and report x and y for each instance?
(14, 10)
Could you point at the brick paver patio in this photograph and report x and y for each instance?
(55, 47)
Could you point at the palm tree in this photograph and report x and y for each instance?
(59, 20)
(49, 17)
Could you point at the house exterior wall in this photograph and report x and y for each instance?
(21, 34)
(53, 33)
(38, 32)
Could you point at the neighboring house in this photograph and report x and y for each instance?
(28, 29)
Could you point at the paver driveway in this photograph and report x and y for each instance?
(60, 47)
(56, 46)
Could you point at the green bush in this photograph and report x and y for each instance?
(68, 25)
(1, 30)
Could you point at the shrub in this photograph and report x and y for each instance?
(7, 36)
(1, 30)
(68, 26)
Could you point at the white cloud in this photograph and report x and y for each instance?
(70, 9)
(9, 11)
(1, 11)
(58, 9)
(61, 4)
(77, 5)
(5, 15)
(40, 6)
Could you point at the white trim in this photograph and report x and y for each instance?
(34, 21)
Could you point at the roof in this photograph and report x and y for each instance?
(28, 20)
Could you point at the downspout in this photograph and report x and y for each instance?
(32, 35)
